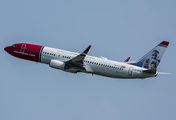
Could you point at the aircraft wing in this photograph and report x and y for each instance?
(78, 60)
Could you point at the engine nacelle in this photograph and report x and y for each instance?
(57, 64)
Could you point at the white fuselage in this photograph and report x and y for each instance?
(95, 65)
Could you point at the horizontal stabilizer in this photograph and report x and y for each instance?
(151, 71)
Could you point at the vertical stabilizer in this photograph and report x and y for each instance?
(152, 59)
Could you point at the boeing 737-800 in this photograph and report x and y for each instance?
(74, 62)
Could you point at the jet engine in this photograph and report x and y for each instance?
(57, 64)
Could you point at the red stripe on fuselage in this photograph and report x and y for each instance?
(25, 51)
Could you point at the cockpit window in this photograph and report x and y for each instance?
(13, 45)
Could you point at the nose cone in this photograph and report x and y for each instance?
(7, 49)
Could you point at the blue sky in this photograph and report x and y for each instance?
(116, 30)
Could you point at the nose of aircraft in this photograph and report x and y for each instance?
(7, 49)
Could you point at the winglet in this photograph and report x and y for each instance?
(87, 50)
(127, 59)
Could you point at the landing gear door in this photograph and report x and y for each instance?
(130, 71)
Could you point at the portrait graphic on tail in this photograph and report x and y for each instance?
(152, 59)
(152, 62)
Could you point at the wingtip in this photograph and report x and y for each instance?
(127, 59)
(87, 50)
(165, 43)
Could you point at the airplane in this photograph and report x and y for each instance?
(74, 62)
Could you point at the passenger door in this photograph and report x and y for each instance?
(130, 71)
